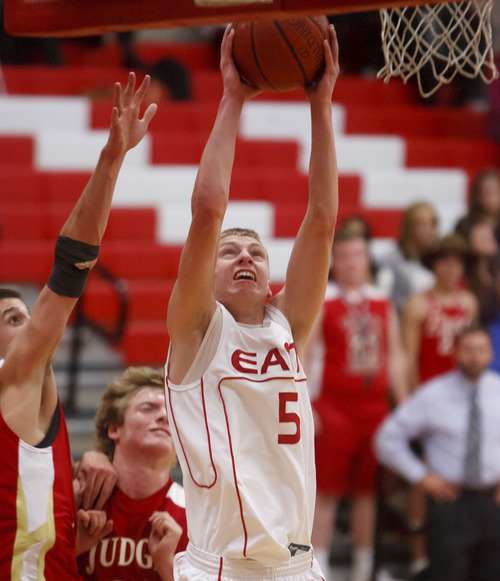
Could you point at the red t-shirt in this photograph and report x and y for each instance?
(124, 555)
(355, 345)
(439, 329)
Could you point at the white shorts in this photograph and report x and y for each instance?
(196, 565)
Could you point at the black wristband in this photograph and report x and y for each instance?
(66, 279)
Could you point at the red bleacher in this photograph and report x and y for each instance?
(34, 204)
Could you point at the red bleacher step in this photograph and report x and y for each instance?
(176, 117)
(31, 261)
(415, 121)
(468, 154)
(26, 261)
(97, 81)
(16, 150)
(284, 185)
(193, 55)
(349, 90)
(43, 221)
(137, 259)
(181, 147)
(146, 343)
(148, 299)
(27, 184)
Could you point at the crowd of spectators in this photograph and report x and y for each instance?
(446, 291)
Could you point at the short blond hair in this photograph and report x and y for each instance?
(117, 398)
(241, 232)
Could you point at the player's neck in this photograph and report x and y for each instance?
(247, 313)
(140, 480)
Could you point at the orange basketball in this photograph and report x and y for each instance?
(280, 55)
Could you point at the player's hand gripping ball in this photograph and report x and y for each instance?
(280, 55)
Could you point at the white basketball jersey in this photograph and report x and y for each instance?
(244, 438)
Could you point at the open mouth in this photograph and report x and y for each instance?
(244, 275)
(161, 431)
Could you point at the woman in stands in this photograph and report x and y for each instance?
(484, 203)
(400, 272)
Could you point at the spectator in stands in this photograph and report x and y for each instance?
(484, 203)
(431, 319)
(455, 416)
(400, 272)
(146, 507)
(357, 224)
(430, 323)
(483, 271)
(355, 357)
(483, 276)
(36, 476)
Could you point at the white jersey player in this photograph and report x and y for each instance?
(236, 391)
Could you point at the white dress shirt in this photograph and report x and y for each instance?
(438, 414)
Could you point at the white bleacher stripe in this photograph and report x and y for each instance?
(26, 115)
(154, 184)
(175, 219)
(275, 120)
(380, 247)
(79, 150)
(356, 153)
(445, 189)
(279, 250)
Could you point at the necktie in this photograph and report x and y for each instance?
(472, 468)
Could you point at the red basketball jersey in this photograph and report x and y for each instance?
(123, 555)
(438, 332)
(37, 509)
(355, 344)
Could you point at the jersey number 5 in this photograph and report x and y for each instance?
(288, 418)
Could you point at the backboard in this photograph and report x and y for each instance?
(73, 17)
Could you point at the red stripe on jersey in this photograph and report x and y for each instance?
(208, 437)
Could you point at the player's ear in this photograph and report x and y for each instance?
(113, 432)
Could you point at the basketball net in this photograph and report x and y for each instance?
(436, 42)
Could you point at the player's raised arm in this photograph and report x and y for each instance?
(192, 302)
(78, 244)
(307, 273)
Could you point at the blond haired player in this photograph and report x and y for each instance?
(236, 390)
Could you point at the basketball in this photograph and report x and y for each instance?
(280, 55)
